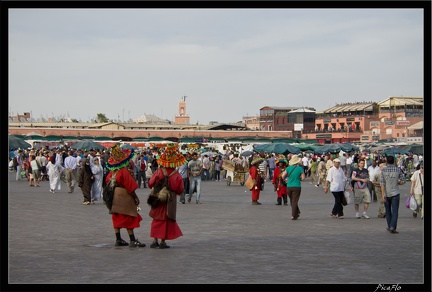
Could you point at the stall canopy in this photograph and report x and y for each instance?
(279, 148)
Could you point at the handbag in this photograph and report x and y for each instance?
(347, 197)
(407, 203)
(413, 203)
(249, 182)
(123, 202)
(344, 201)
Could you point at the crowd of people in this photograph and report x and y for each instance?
(369, 177)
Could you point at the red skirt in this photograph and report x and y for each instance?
(165, 229)
(126, 221)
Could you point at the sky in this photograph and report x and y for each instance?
(229, 63)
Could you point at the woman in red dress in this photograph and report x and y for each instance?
(119, 172)
(164, 225)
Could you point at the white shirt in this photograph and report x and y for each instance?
(337, 179)
(305, 161)
(372, 171)
(349, 160)
(415, 160)
(417, 185)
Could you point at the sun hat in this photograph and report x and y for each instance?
(281, 158)
(171, 157)
(336, 160)
(257, 160)
(295, 159)
(119, 157)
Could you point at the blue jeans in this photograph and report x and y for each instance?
(186, 189)
(391, 205)
(205, 174)
(271, 170)
(195, 181)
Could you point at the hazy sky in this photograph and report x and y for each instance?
(229, 63)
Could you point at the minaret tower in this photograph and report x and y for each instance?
(182, 118)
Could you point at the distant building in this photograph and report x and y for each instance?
(252, 122)
(299, 120)
(182, 118)
(150, 119)
(20, 118)
(396, 114)
(367, 121)
(274, 118)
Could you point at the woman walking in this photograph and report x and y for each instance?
(164, 225)
(294, 174)
(85, 181)
(98, 173)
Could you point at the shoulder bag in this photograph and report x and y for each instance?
(249, 182)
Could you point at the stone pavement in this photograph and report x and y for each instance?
(54, 239)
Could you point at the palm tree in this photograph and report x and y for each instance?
(102, 118)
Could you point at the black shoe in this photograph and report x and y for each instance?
(393, 231)
(182, 202)
(163, 245)
(136, 243)
(278, 204)
(414, 214)
(154, 245)
(121, 242)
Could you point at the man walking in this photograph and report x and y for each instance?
(70, 165)
(195, 169)
(359, 183)
(391, 177)
(336, 178)
(373, 169)
(141, 167)
(271, 165)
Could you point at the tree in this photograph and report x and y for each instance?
(101, 118)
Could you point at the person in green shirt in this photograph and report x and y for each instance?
(294, 174)
(313, 169)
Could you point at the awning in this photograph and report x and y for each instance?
(417, 126)
(401, 101)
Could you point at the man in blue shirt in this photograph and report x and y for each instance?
(271, 165)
